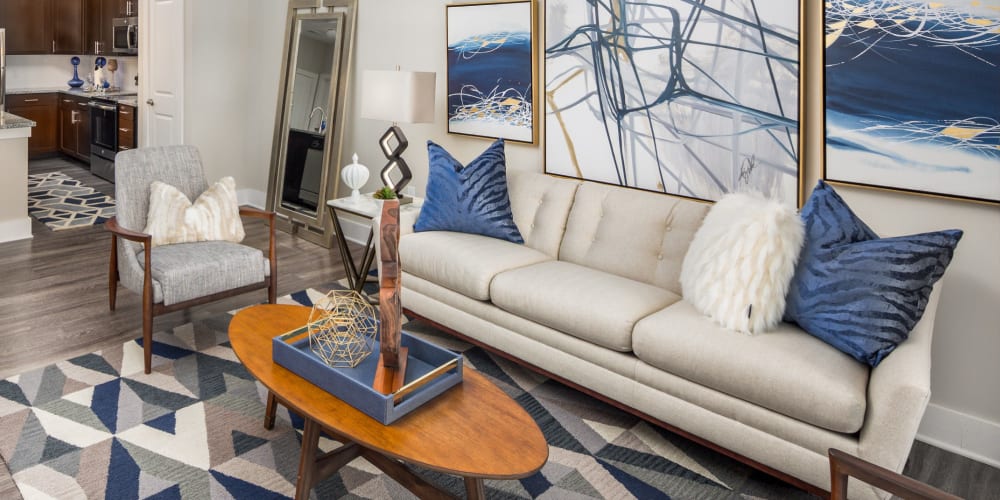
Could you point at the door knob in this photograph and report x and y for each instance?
(150, 102)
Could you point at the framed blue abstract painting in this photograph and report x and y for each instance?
(913, 96)
(491, 70)
(691, 98)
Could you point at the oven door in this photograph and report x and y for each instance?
(104, 125)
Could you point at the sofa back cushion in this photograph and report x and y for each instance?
(541, 205)
(636, 234)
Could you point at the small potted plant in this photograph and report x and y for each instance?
(386, 193)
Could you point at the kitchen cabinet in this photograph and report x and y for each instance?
(99, 29)
(126, 127)
(74, 126)
(43, 27)
(43, 110)
(29, 30)
(67, 26)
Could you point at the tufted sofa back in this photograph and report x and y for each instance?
(636, 234)
(540, 204)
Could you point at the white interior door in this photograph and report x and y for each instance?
(162, 57)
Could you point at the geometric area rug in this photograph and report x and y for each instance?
(61, 202)
(96, 426)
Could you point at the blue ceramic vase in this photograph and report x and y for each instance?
(76, 82)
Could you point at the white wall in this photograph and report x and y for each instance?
(387, 36)
(217, 87)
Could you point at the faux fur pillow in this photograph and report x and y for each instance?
(214, 216)
(739, 265)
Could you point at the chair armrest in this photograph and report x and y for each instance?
(113, 226)
(257, 213)
(899, 389)
(844, 465)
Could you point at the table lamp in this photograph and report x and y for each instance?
(398, 97)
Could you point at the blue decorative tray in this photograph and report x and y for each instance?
(430, 371)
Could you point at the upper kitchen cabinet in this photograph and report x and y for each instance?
(67, 26)
(100, 23)
(22, 20)
(43, 27)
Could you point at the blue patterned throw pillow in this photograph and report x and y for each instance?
(470, 199)
(857, 292)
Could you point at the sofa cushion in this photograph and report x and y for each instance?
(186, 271)
(784, 370)
(860, 293)
(465, 263)
(468, 199)
(541, 204)
(589, 304)
(738, 267)
(639, 235)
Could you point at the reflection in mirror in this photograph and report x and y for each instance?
(317, 43)
(308, 134)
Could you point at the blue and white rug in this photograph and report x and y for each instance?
(61, 202)
(96, 426)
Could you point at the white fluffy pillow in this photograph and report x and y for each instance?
(741, 260)
(214, 216)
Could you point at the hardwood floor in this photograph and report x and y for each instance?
(54, 305)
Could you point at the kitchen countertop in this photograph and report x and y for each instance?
(116, 95)
(13, 121)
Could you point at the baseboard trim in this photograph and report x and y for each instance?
(15, 229)
(252, 197)
(962, 434)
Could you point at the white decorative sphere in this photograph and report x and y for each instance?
(355, 176)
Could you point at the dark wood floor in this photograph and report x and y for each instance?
(54, 305)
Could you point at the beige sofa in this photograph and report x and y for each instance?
(593, 298)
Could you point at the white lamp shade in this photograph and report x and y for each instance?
(398, 96)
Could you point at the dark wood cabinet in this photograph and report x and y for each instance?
(43, 26)
(74, 126)
(29, 30)
(67, 26)
(43, 110)
(126, 127)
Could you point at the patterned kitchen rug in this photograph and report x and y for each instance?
(95, 426)
(61, 202)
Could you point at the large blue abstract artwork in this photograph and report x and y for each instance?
(913, 95)
(491, 77)
(693, 98)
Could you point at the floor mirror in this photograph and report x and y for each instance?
(309, 123)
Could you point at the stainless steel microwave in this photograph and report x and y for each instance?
(126, 35)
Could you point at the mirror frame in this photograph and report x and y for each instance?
(316, 228)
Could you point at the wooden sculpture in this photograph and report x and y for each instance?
(392, 358)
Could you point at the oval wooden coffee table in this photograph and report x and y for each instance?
(473, 430)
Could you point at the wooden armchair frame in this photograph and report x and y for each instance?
(151, 310)
(844, 465)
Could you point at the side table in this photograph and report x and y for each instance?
(367, 208)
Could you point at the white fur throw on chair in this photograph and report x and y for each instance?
(741, 260)
(214, 216)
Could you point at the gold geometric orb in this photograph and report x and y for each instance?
(342, 328)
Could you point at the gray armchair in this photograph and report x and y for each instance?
(175, 277)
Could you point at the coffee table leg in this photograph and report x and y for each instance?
(307, 459)
(269, 412)
(474, 489)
